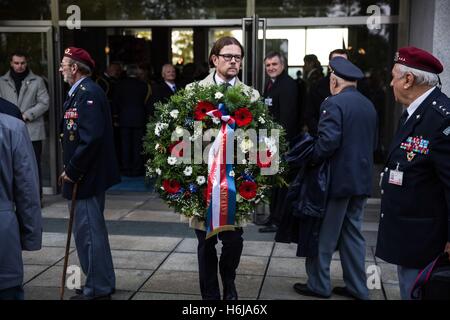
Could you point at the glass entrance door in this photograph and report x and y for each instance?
(37, 43)
(254, 42)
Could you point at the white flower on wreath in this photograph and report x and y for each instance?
(201, 180)
(196, 213)
(157, 146)
(271, 145)
(216, 120)
(232, 174)
(171, 160)
(158, 171)
(187, 171)
(159, 127)
(246, 145)
(261, 120)
(174, 113)
(218, 95)
(179, 131)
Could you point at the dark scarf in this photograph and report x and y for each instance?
(18, 78)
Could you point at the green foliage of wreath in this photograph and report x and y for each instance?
(183, 185)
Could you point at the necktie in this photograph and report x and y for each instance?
(269, 85)
(174, 88)
(403, 118)
(226, 85)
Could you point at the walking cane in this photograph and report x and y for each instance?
(69, 235)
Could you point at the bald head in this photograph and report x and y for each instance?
(168, 73)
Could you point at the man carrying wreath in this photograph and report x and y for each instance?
(225, 57)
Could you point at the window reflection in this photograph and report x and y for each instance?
(156, 10)
(25, 9)
(322, 8)
(34, 44)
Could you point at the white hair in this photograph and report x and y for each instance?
(82, 67)
(340, 81)
(420, 76)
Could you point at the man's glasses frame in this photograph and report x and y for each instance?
(229, 57)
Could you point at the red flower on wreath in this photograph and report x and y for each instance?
(264, 164)
(243, 117)
(179, 151)
(171, 186)
(201, 109)
(247, 190)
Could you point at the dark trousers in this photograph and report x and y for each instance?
(14, 293)
(131, 149)
(93, 249)
(232, 244)
(277, 205)
(37, 146)
(117, 145)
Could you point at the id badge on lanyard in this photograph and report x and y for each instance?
(396, 176)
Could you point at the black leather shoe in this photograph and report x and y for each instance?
(302, 288)
(229, 291)
(271, 228)
(80, 291)
(343, 291)
(266, 223)
(83, 297)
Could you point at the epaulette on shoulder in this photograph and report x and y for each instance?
(442, 107)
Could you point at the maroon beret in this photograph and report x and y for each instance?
(79, 55)
(418, 59)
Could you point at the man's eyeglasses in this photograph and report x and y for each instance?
(62, 65)
(228, 57)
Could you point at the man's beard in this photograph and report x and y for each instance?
(68, 79)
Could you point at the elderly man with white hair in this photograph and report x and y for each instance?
(415, 205)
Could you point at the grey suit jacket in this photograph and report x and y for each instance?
(20, 211)
(33, 101)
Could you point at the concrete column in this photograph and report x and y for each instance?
(441, 40)
(429, 26)
(250, 8)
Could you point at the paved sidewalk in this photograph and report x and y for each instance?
(155, 255)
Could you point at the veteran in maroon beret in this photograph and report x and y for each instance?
(89, 160)
(415, 204)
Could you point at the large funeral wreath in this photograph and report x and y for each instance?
(181, 128)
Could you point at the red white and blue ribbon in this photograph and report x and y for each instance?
(221, 190)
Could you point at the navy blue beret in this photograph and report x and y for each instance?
(345, 69)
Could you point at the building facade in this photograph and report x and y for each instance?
(181, 32)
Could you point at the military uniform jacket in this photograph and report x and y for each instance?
(347, 137)
(414, 221)
(87, 142)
